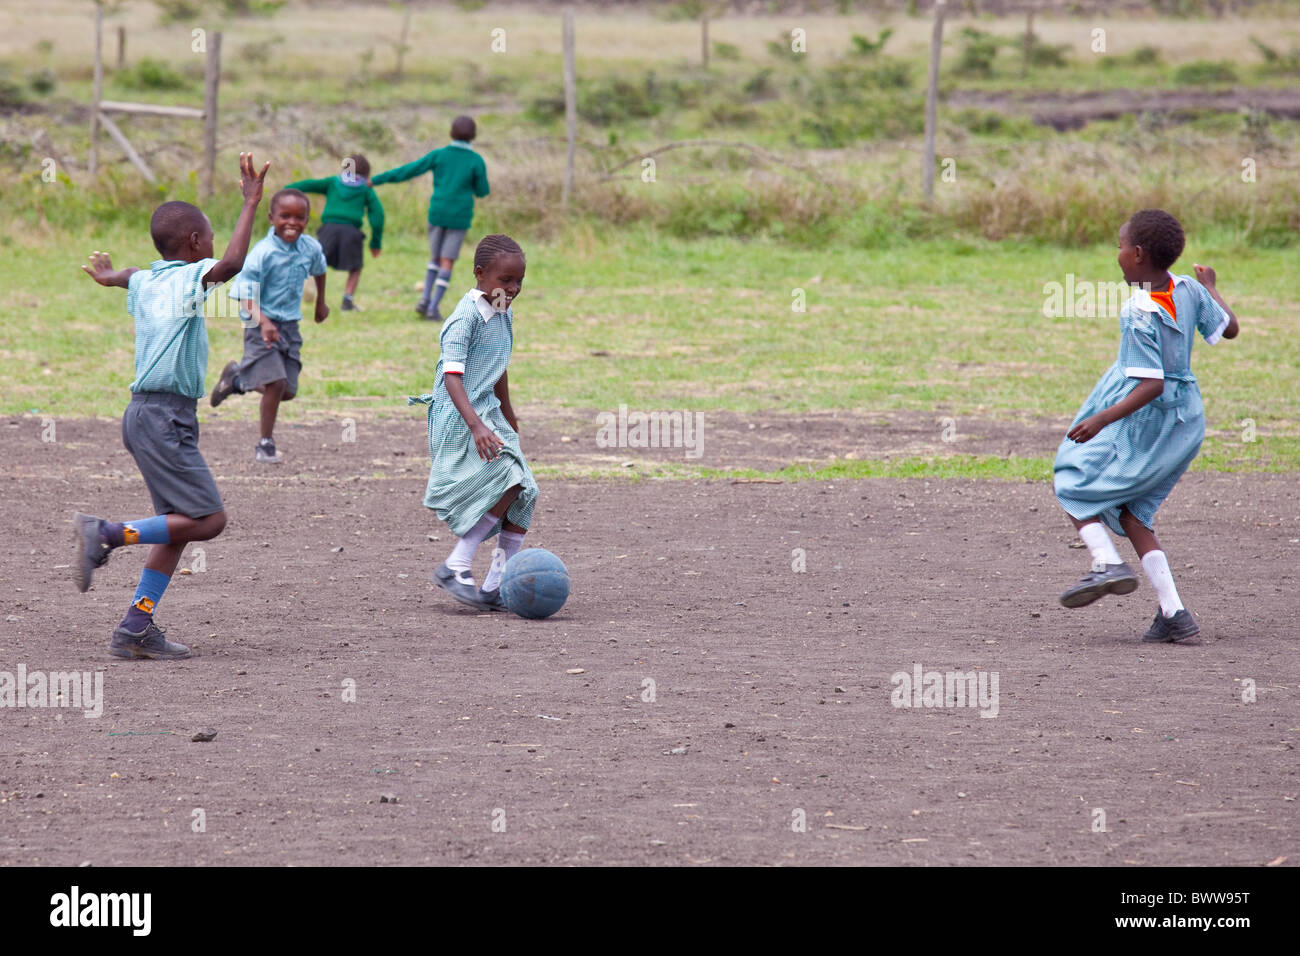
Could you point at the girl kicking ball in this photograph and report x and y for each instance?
(479, 481)
(1144, 421)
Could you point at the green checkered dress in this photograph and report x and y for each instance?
(476, 341)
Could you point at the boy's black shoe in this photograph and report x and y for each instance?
(1102, 580)
(227, 384)
(92, 550)
(149, 644)
(349, 305)
(422, 309)
(1169, 630)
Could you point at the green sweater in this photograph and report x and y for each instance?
(459, 174)
(346, 204)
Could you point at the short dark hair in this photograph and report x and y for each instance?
(1159, 234)
(360, 165)
(464, 128)
(290, 192)
(491, 248)
(172, 222)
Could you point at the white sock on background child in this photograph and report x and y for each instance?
(1156, 566)
(462, 556)
(1097, 538)
(510, 544)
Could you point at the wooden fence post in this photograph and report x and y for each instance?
(99, 89)
(570, 102)
(211, 81)
(932, 99)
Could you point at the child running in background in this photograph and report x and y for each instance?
(270, 292)
(479, 481)
(1144, 421)
(348, 197)
(160, 428)
(459, 174)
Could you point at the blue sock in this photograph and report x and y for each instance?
(440, 287)
(147, 595)
(430, 275)
(145, 531)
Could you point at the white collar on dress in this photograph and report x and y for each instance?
(485, 306)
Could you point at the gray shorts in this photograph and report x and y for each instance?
(444, 243)
(161, 432)
(263, 365)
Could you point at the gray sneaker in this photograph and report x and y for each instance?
(92, 550)
(433, 315)
(266, 452)
(422, 309)
(1097, 583)
(149, 644)
(460, 586)
(1170, 630)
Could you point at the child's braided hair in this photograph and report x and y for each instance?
(490, 247)
(1159, 233)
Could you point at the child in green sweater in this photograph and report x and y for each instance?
(348, 196)
(459, 174)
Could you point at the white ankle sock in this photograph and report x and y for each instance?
(462, 556)
(1097, 538)
(1156, 566)
(510, 544)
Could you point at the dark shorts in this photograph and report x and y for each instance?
(161, 431)
(445, 243)
(283, 360)
(344, 245)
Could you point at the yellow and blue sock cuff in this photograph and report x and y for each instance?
(147, 531)
(150, 590)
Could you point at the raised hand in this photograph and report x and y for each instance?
(100, 268)
(1205, 276)
(251, 181)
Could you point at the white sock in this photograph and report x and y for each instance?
(462, 556)
(1156, 566)
(1097, 538)
(510, 544)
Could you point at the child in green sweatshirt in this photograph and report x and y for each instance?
(348, 196)
(459, 174)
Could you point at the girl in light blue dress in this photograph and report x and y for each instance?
(479, 481)
(1144, 421)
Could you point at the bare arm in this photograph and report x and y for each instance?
(502, 390)
(322, 310)
(485, 440)
(1206, 277)
(250, 183)
(1146, 391)
(102, 271)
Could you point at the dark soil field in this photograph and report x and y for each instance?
(697, 699)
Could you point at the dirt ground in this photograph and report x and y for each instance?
(696, 699)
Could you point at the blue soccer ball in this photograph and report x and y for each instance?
(535, 583)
